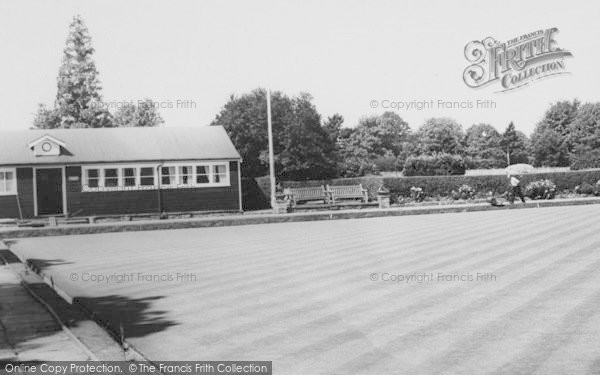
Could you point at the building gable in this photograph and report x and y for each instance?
(46, 146)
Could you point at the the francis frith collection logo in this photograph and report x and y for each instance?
(514, 63)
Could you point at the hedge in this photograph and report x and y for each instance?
(256, 191)
(443, 185)
(434, 165)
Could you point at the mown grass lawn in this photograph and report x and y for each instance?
(314, 297)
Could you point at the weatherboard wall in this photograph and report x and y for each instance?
(9, 206)
(25, 190)
(80, 203)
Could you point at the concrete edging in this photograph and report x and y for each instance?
(51, 311)
(135, 354)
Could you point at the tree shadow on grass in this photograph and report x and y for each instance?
(126, 316)
(121, 316)
(39, 265)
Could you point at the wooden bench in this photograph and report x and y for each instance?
(347, 192)
(307, 194)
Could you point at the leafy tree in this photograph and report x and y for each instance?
(354, 156)
(307, 148)
(515, 144)
(333, 126)
(550, 141)
(549, 148)
(245, 119)
(303, 149)
(78, 100)
(46, 118)
(144, 114)
(585, 137)
(383, 135)
(521, 152)
(483, 146)
(377, 142)
(440, 135)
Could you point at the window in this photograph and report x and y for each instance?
(167, 175)
(129, 177)
(119, 177)
(8, 183)
(111, 177)
(147, 176)
(220, 173)
(202, 174)
(92, 178)
(185, 175)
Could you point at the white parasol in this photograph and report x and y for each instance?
(519, 169)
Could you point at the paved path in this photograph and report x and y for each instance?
(303, 295)
(28, 330)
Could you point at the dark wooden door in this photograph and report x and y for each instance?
(49, 191)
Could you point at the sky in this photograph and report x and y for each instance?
(191, 56)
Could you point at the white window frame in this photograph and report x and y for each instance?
(194, 184)
(13, 191)
(135, 177)
(208, 175)
(157, 174)
(85, 177)
(190, 175)
(121, 178)
(174, 177)
(213, 172)
(139, 177)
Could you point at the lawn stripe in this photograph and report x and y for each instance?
(453, 316)
(379, 322)
(299, 293)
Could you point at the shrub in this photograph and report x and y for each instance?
(434, 165)
(466, 192)
(444, 185)
(597, 188)
(585, 159)
(417, 194)
(585, 188)
(481, 163)
(255, 196)
(387, 164)
(541, 189)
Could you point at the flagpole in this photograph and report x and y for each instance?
(271, 155)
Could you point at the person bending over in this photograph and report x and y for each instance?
(516, 189)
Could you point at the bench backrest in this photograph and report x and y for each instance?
(308, 192)
(344, 190)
